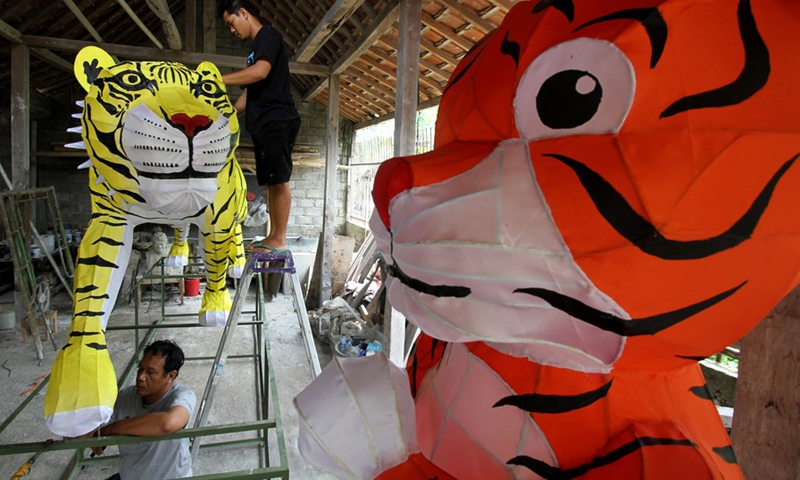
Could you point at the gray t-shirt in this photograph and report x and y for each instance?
(155, 460)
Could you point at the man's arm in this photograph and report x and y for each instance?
(151, 424)
(246, 76)
(241, 103)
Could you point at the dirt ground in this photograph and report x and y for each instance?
(235, 400)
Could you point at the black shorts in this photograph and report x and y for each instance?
(273, 148)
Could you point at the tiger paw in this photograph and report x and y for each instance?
(83, 387)
(215, 308)
(178, 255)
(236, 271)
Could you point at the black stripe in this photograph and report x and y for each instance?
(726, 453)
(553, 473)
(88, 313)
(690, 357)
(753, 77)
(83, 334)
(538, 403)
(133, 195)
(510, 48)
(626, 328)
(420, 286)
(96, 261)
(654, 25)
(86, 289)
(97, 346)
(108, 241)
(94, 297)
(701, 391)
(564, 6)
(627, 222)
(114, 224)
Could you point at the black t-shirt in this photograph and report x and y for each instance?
(271, 98)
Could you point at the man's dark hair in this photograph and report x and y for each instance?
(233, 6)
(169, 351)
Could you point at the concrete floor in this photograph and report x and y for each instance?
(234, 402)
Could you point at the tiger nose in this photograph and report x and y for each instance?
(190, 123)
(393, 178)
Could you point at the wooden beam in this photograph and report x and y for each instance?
(378, 27)
(331, 191)
(504, 5)
(407, 77)
(210, 27)
(141, 25)
(447, 32)
(374, 121)
(82, 18)
(190, 14)
(144, 53)
(766, 420)
(339, 12)
(20, 116)
(10, 33)
(161, 9)
(469, 15)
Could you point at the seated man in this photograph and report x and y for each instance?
(156, 405)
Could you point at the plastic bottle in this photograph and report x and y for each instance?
(343, 345)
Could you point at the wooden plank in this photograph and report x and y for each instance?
(365, 97)
(82, 18)
(10, 33)
(468, 15)
(766, 417)
(144, 53)
(389, 60)
(139, 23)
(339, 12)
(190, 13)
(446, 32)
(20, 116)
(331, 191)
(168, 26)
(210, 27)
(378, 27)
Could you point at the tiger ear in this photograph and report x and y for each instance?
(89, 62)
(209, 69)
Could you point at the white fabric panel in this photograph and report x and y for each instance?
(366, 401)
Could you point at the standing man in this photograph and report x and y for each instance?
(157, 405)
(270, 114)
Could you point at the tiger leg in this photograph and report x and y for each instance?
(179, 252)
(236, 252)
(216, 302)
(83, 385)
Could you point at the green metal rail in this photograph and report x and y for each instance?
(266, 398)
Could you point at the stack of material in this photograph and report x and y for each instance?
(303, 155)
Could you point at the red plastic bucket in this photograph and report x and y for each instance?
(191, 287)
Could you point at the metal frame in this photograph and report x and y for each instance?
(266, 393)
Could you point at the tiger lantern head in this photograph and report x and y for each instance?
(165, 129)
(161, 139)
(614, 184)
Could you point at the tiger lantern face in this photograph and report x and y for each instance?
(613, 185)
(175, 126)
